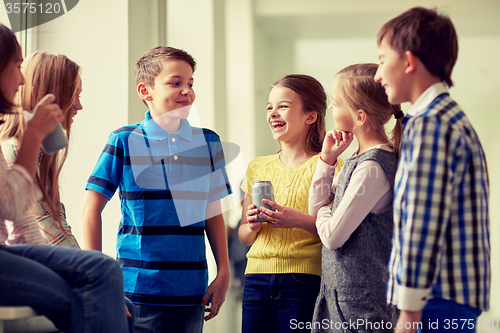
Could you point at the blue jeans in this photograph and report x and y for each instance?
(79, 291)
(440, 315)
(175, 319)
(278, 302)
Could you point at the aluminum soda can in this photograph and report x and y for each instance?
(262, 189)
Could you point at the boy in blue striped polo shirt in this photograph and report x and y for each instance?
(170, 178)
(440, 262)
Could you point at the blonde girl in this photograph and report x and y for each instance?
(284, 262)
(55, 74)
(354, 210)
(79, 291)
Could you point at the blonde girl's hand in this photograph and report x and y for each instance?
(252, 216)
(46, 117)
(335, 143)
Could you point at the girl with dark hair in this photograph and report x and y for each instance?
(284, 262)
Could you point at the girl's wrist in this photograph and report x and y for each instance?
(328, 159)
(33, 137)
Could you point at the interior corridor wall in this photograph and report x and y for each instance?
(94, 35)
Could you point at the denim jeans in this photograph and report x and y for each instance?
(79, 291)
(162, 319)
(440, 315)
(279, 302)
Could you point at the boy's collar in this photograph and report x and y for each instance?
(427, 97)
(154, 131)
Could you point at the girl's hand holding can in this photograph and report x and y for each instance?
(283, 217)
(252, 216)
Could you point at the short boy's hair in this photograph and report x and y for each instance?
(149, 66)
(428, 35)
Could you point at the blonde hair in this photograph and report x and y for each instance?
(359, 90)
(44, 74)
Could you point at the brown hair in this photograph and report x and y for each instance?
(313, 98)
(360, 92)
(10, 48)
(47, 74)
(149, 66)
(428, 35)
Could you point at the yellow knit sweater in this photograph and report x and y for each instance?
(284, 250)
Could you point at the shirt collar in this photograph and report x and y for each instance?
(427, 97)
(154, 131)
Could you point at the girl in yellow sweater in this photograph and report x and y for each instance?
(284, 263)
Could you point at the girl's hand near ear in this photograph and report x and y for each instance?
(46, 117)
(335, 143)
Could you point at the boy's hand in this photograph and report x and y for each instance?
(216, 294)
(335, 143)
(408, 321)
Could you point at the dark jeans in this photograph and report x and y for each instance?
(80, 291)
(175, 319)
(278, 302)
(440, 315)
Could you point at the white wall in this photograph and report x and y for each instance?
(94, 35)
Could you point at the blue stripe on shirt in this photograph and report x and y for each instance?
(163, 202)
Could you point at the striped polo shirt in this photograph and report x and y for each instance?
(165, 181)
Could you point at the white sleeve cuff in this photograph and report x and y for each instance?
(412, 299)
(325, 167)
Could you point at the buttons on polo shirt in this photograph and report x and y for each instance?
(173, 139)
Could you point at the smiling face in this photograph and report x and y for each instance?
(342, 114)
(172, 94)
(391, 73)
(285, 115)
(12, 78)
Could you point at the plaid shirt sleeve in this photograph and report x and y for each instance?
(441, 238)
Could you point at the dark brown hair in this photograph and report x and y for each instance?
(9, 49)
(359, 90)
(428, 35)
(149, 66)
(313, 98)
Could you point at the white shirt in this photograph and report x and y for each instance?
(368, 191)
(17, 193)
